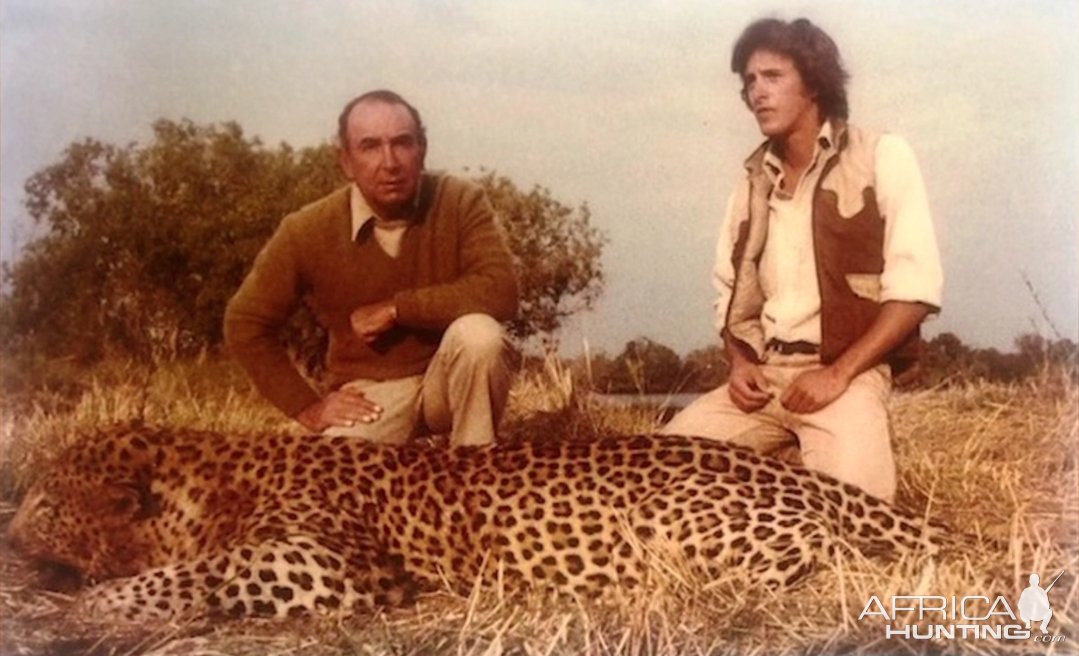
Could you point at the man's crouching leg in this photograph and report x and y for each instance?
(468, 381)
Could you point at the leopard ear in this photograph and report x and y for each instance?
(127, 500)
(119, 500)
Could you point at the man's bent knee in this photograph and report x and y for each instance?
(478, 335)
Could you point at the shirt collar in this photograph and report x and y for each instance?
(825, 145)
(362, 214)
(361, 211)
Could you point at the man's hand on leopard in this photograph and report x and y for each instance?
(344, 407)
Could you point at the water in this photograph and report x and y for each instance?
(671, 401)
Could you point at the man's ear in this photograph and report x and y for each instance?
(343, 161)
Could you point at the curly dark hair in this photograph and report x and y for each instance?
(813, 52)
(384, 96)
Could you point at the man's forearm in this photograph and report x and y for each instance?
(486, 282)
(435, 307)
(253, 342)
(896, 321)
(815, 388)
(738, 352)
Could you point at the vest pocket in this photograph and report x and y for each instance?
(865, 285)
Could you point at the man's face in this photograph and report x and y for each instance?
(383, 155)
(777, 96)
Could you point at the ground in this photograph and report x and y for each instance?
(994, 461)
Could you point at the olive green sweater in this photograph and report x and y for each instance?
(453, 261)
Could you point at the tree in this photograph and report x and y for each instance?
(706, 368)
(145, 244)
(557, 252)
(644, 367)
(946, 359)
(949, 361)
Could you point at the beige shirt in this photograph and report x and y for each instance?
(788, 267)
(388, 234)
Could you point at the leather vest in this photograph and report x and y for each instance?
(848, 241)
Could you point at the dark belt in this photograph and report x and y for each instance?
(800, 347)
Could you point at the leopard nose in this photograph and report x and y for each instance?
(12, 534)
(18, 532)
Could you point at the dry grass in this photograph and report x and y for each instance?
(997, 462)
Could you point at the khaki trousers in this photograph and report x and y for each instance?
(463, 392)
(850, 439)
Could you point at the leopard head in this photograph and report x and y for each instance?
(86, 509)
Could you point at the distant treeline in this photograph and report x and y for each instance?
(648, 367)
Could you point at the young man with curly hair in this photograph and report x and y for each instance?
(826, 265)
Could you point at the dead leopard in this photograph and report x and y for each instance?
(178, 522)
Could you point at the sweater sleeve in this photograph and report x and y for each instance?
(254, 317)
(487, 283)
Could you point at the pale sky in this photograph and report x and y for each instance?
(628, 105)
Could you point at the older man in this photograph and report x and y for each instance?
(410, 276)
(826, 266)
